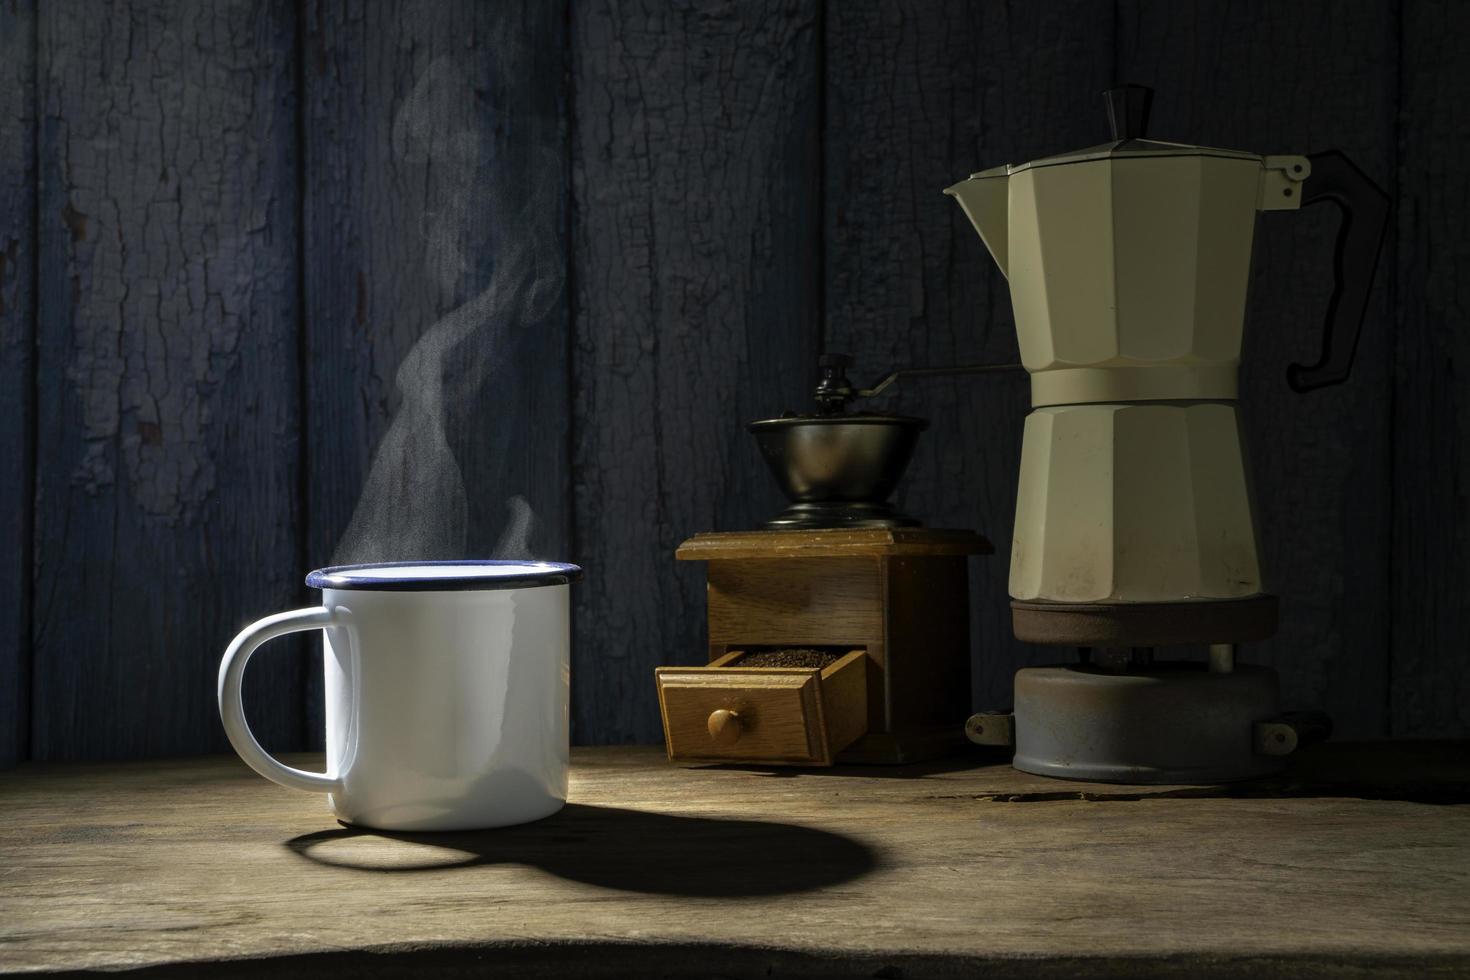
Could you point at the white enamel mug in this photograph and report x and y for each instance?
(447, 687)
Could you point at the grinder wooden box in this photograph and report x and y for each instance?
(892, 601)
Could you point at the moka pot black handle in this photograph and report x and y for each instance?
(1365, 208)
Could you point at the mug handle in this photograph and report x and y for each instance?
(232, 709)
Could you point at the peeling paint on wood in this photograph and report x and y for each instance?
(167, 489)
(1430, 689)
(696, 266)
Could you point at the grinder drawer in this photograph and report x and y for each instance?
(729, 713)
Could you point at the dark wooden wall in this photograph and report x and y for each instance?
(426, 127)
(17, 369)
(224, 227)
(697, 261)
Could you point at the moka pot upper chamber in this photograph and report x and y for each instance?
(1128, 265)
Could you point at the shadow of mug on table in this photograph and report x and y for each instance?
(626, 850)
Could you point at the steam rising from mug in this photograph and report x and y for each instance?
(413, 503)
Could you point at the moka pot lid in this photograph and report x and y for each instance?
(1128, 108)
(1126, 149)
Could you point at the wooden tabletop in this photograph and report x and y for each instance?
(1358, 863)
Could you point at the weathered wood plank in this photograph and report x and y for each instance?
(1431, 489)
(167, 487)
(920, 95)
(437, 320)
(953, 871)
(17, 389)
(696, 268)
(1242, 76)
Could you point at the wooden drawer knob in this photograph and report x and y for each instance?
(724, 726)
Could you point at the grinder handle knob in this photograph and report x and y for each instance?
(724, 726)
(833, 389)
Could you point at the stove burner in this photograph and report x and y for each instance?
(1122, 717)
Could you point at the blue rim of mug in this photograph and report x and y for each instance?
(479, 574)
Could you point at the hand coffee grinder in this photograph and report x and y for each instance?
(1128, 265)
(838, 630)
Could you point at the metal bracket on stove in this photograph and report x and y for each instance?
(1290, 731)
(991, 728)
(834, 391)
(1279, 736)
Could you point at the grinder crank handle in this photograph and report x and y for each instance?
(834, 391)
(931, 372)
(1364, 208)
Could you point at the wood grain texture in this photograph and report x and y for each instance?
(1239, 76)
(778, 713)
(437, 196)
(843, 697)
(955, 871)
(924, 667)
(826, 601)
(920, 95)
(901, 595)
(17, 368)
(696, 264)
(1431, 489)
(166, 511)
(787, 715)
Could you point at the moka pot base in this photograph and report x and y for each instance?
(1141, 503)
(891, 603)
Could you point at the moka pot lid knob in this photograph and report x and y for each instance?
(1128, 111)
(1128, 107)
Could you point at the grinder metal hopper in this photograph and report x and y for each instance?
(837, 468)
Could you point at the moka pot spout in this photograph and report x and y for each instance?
(984, 197)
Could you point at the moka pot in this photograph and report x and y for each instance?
(1128, 266)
